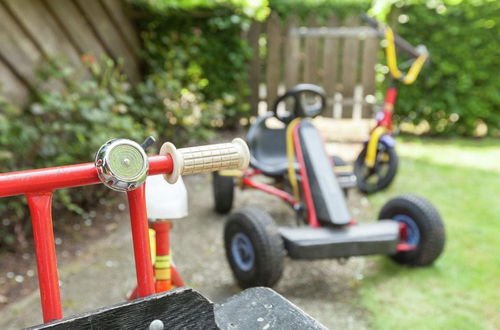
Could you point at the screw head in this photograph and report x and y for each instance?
(156, 325)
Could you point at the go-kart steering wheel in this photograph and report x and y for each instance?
(308, 101)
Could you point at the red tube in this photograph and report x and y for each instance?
(49, 179)
(43, 236)
(390, 96)
(270, 190)
(176, 278)
(163, 271)
(312, 219)
(140, 238)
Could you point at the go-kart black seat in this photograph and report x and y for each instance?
(267, 147)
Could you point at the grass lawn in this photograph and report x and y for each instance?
(462, 289)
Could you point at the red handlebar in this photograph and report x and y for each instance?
(49, 179)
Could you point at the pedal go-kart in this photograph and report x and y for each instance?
(377, 163)
(409, 229)
(123, 165)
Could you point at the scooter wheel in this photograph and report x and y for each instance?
(371, 180)
(223, 191)
(424, 229)
(254, 248)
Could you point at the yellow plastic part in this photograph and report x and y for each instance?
(371, 152)
(162, 268)
(233, 173)
(162, 274)
(152, 244)
(291, 157)
(392, 62)
(162, 262)
(342, 169)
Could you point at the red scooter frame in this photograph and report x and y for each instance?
(38, 186)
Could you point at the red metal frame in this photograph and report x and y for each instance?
(389, 104)
(311, 218)
(140, 238)
(162, 229)
(38, 186)
(247, 181)
(287, 197)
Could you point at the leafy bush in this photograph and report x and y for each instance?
(321, 9)
(204, 40)
(460, 88)
(64, 127)
(68, 126)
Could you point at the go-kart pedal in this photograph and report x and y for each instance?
(380, 237)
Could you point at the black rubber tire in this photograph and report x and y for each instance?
(223, 192)
(430, 226)
(382, 182)
(267, 245)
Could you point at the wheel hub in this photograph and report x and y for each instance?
(243, 252)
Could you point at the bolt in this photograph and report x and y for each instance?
(156, 325)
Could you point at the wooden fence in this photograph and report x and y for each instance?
(35, 30)
(340, 56)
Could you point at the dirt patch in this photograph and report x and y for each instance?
(18, 271)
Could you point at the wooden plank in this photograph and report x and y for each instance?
(341, 31)
(76, 26)
(116, 11)
(331, 63)
(369, 60)
(311, 55)
(181, 308)
(19, 52)
(273, 58)
(46, 33)
(292, 53)
(11, 87)
(95, 14)
(254, 67)
(349, 66)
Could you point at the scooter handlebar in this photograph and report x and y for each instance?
(400, 43)
(208, 158)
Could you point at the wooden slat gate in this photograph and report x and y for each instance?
(34, 30)
(339, 56)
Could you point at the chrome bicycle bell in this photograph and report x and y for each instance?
(122, 164)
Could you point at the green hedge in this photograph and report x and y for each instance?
(60, 128)
(321, 9)
(205, 37)
(460, 88)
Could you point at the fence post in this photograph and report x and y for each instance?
(311, 54)
(330, 65)
(370, 51)
(254, 67)
(349, 68)
(292, 53)
(273, 58)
